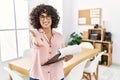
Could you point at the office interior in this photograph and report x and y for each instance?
(69, 23)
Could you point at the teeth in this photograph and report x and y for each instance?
(46, 23)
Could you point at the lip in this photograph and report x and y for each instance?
(46, 23)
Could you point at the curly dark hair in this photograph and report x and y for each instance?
(42, 8)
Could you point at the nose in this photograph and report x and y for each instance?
(45, 18)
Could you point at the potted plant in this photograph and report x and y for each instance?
(75, 38)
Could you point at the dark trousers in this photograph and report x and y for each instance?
(38, 79)
(33, 78)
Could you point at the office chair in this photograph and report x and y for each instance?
(77, 72)
(16, 75)
(91, 67)
(86, 45)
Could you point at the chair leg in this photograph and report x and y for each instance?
(95, 76)
(90, 76)
(97, 72)
(87, 76)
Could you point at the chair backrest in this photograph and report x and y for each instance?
(28, 52)
(77, 72)
(86, 45)
(93, 64)
(15, 75)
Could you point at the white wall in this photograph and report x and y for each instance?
(34, 3)
(110, 14)
(67, 18)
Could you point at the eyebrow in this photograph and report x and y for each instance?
(45, 13)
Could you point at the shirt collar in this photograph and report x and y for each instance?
(42, 31)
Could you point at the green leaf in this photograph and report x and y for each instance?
(75, 38)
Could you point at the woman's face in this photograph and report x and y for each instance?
(45, 20)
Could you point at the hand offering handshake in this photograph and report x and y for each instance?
(38, 40)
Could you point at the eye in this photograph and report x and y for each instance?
(42, 17)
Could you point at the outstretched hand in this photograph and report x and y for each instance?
(33, 33)
(38, 40)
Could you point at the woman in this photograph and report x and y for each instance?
(46, 42)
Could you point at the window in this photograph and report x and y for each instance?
(58, 4)
(14, 29)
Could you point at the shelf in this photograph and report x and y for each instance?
(100, 44)
(106, 54)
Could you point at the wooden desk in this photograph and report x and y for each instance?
(23, 65)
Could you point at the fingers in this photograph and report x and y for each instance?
(33, 33)
(68, 57)
(38, 40)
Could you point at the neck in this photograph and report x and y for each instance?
(48, 33)
(47, 30)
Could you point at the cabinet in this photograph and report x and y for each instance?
(97, 38)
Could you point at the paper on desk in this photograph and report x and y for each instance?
(70, 50)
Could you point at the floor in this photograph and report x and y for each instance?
(105, 73)
(3, 74)
(109, 73)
